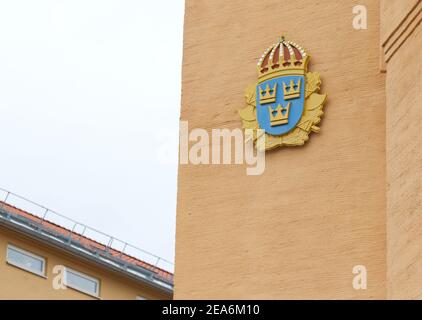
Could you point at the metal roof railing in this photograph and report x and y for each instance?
(80, 232)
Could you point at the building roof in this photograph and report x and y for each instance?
(101, 250)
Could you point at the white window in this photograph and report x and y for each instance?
(25, 260)
(81, 282)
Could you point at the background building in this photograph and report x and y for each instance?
(40, 259)
(350, 196)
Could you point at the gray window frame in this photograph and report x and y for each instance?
(85, 276)
(22, 266)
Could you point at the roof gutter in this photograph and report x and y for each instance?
(80, 254)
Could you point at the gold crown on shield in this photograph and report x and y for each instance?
(279, 115)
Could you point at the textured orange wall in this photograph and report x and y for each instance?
(404, 156)
(297, 230)
(393, 12)
(19, 284)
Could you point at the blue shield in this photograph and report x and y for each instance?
(280, 103)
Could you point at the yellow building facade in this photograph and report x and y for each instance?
(346, 200)
(42, 260)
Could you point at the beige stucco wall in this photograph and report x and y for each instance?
(393, 12)
(16, 283)
(404, 153)
(318, 210)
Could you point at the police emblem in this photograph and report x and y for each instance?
(285, 102)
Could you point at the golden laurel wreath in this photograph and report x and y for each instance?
(312, 113)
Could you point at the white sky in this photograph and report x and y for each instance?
(89, 91)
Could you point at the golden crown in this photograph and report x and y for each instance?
(279, 115)
(268, 94)
(282, 58)
(292, 90)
